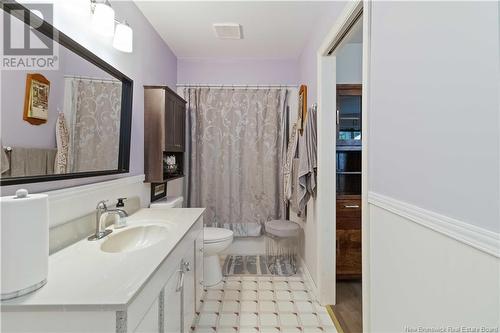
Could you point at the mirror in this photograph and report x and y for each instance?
(60, 119)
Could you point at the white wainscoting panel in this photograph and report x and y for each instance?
(424, 278)
(74, 202)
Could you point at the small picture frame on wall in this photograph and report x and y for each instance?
(36, 99)
(158, 191)
(302, 108)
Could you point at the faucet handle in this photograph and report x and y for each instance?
(102, 204)
(120, 203)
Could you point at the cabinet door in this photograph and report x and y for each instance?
(348, 237)
(170, 107)
(172, 305)
(198, 270)
(189, 290)
(349, 114)
(180, 123)
(150, 322)
(348, 254)
(154, 131)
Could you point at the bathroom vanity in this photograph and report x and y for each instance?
(146, 277)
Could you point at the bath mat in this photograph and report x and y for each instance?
(252, 265)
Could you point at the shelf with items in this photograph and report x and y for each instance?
(348, 172)
(173, 165)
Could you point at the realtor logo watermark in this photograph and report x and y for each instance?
(29, 43)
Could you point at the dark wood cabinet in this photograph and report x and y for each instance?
(164, 131)
(348, 219)
(175, 122)
(348, 247)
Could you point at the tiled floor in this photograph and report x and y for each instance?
(252, 304)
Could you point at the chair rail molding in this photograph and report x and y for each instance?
(479, 238)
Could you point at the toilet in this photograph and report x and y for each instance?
(215, 240)
(168, 202)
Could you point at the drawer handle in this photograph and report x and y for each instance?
(351, 206)
(180, 282)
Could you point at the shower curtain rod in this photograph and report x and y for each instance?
(89, 78)
(199, 85)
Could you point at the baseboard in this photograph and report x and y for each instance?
(247, 246)
(307, 276)
(481, 239)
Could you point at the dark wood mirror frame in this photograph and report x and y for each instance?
(23, 13)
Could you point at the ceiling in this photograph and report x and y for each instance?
(271, 29)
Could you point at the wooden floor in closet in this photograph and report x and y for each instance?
(348, 310)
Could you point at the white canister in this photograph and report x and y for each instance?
(24, 243)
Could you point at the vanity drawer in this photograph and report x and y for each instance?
(349, 206)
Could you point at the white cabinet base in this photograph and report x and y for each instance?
(157, 308)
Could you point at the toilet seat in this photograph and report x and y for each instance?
(216, 235)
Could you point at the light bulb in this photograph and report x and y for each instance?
(124, 37)
(103, 19)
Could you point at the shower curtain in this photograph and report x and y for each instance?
(92, 109)
(236, 156)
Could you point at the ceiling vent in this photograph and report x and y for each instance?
(227, 30)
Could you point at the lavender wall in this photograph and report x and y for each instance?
(152, 62)
(237, 71)
(19, 133)
(307, 60)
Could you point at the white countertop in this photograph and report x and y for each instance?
(83, 276)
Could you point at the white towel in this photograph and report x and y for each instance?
(62, 140)
(287, 168)
(307, 162)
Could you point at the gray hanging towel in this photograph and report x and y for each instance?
(4, 161)
(294, 203)
(32, 161)
(307, 161)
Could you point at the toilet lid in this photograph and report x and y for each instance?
(212, 235)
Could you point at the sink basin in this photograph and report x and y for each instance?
(135, 238)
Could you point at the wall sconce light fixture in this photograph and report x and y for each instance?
(103, 18)
(103, 22)
(124, 36)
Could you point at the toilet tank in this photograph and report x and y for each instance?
(167, 202)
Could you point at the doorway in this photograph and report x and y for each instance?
(343, 84)
(348, 230)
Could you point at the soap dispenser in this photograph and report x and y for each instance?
(120, 221)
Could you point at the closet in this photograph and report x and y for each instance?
(348, 174)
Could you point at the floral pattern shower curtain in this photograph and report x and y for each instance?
(235, 156)
(92, 108)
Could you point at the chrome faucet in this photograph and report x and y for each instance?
(100, 227)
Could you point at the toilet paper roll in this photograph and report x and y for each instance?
(24, 243)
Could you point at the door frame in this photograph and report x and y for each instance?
(326, 212)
